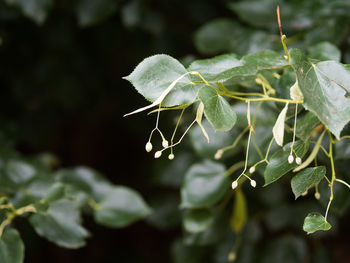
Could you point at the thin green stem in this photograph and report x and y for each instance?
(294, 128)
(235, 142)
(12, 215)
(329, 204)
(343, 182)
(344, 137)
(177, 125)
(180, 140)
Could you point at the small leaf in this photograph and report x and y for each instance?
(199, 117)
(306, 179)
(121, 206)
(315, 222)
(11, 247)
(216, 109)
(240, 213)
(197, 220)
(61, 224)
(204, 184)
(153, 76)
(278, 128)
(278, 164)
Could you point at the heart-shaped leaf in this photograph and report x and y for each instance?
(325, 87)
(204, 184)
(315, 222)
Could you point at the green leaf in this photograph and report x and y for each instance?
(19, 172)
(240, 212)
(261, 11)
(278, 128)
(36, 10)
(324, 51)
(315, 222)
(210, 68)
(278, 164)
(91, 12)
(226, 35)
(86, 180)
(216, 109)
(332, 29)
(56, 192)
(325, 86)
(121, 206)
(197, 220)
(306, 125)
(204, 184)
(61, 224)
(11, 247)
(251, 65)
(306, 179)
(156, 73)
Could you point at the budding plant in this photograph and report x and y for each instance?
(238, 93)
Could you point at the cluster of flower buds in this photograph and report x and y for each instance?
(291, 159)
(235, 183)
(158, 154)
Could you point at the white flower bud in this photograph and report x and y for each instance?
(305, 193)
(290, 159)
(317, 195)
(234, 184)
(171, 156)
(298, 160)
(149, 147)
(157, 154)
(253, 183)
(165, 143)
(252, 169)
(218, 154)
(232, 256)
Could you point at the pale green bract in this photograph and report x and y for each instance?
(278, 128)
